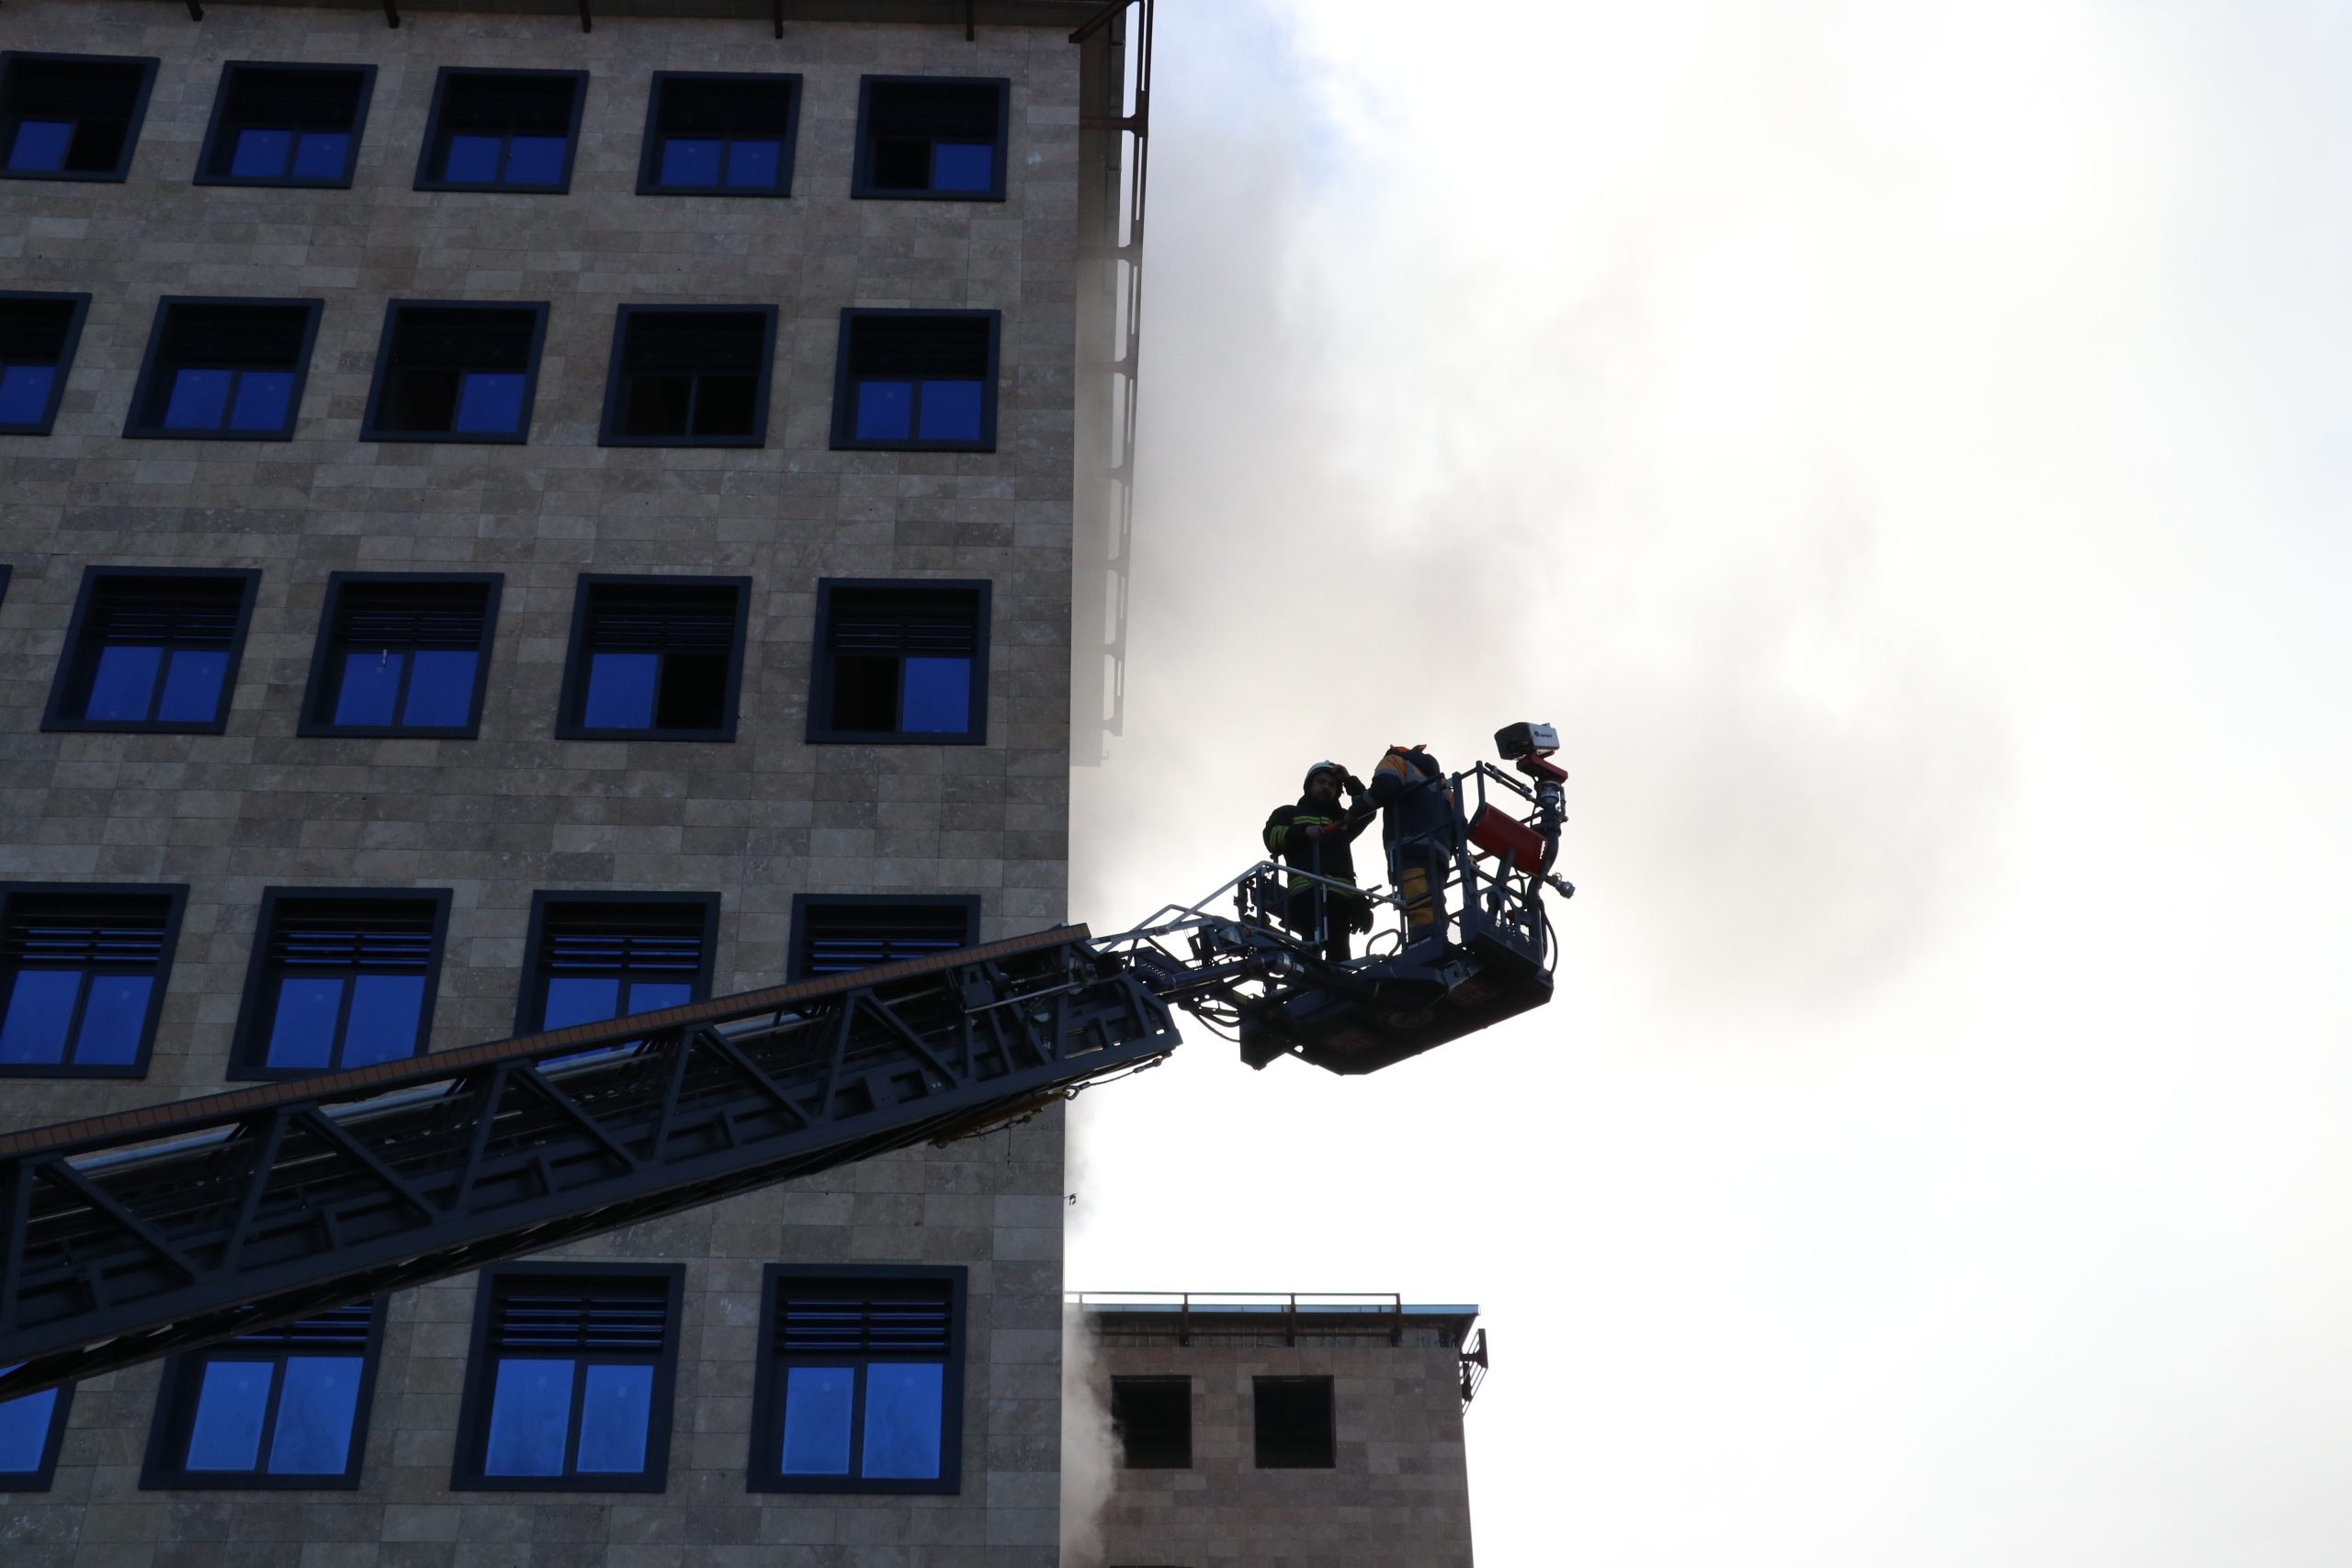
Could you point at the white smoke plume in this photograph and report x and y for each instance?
(1089, 1455)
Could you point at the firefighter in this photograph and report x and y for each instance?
(1420, 826)
(1313, 836)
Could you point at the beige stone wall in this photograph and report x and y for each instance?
(515, 811)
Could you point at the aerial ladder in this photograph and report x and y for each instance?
(128, 1237)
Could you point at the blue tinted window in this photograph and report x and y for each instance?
(690, 161)
(571, 1000)
(817, 1420)
(261, 154)
(371, 682)
(199, 400)
(192, 685)
(530, 1416)
(652, 996)
(321, 155)
(614, 1407)
(40, 1010)
(754, 164)
(884, 408)
(124, 685)
(262, 397)
(902, 1420)
(41, 144)
(620, 691)
(24, 1431)
(535, 159)
(962, 165)
(491, 403)
(301, 1034)
(226, 1433)
(473, 159)
(384, 1013)
(951, 411)
(24, 393)
(315, 1411)
(936, 697)
(113, 1020)
(441, 690)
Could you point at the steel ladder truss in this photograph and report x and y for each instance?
(134, 1235)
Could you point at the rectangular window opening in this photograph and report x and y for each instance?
(570, 1384)
(152, 651)
(861, 1386)
(32, 1427)
(224, 368)
(901, 662)
(1294, 1424)
(594, 958)
(70, 117)
(82, 975)
(713, 134)
(838, 934)
(286, 125)
(452, 372)
(655, 659)
(38, 335)
(937, 138)
(339, 980)
(404, 655)
(916, 380)
(279, 1407)
(1153, 1417)
(503, 130)
(690, 377)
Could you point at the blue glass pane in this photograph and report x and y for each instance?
(652, 996)
(321, 155)
(24, 392)
(314, 1415)
(262, 397)
(473, 159)
(816, 1420)
(199, 400)
(442, 689)
(40, 1007)
(302, 1032)
(951, 411)
(371, 682)
(226, 1433)
(530, 1411)
(615, 1408)
(24, 1431)
(937, 696)
(261, 154)
(884, 408)
(384, 1010)
(620, 691)
(963, 165)
(192, 685)
(41, 144)
(113, 1020)
(535, 159)
(754, 164)
(125, 684)
(491, 403)
(573, 1001)
(903, 1419)
(689, 161)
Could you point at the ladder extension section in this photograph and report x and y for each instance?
(130, 1237)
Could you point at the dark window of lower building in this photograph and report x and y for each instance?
(502, 130)
(340, 977)
(38, 335)
(713, 133)
(916, 381)
(838, 933)
(229, 370)
(1154, 1419)
(932, 138)
(280, 1408)
(153, 649)
(1294, 1424)
(286, 125)
(862, 1387)
(72, 117)
(32, 1427)
(82, 975)
(403, 654)
(570, 1384)
(689, 375)
(456, 372)
(654, 658)
(900, 662)
(592, 956)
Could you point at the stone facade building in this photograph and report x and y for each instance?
(525, 516)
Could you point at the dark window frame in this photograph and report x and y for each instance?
(145, 392)
(530, 996)
(175, 896)
(844, 433)
(803, 904)
(1127, 1444)
(44, 1474)
(148, 65)
(820, 728)
(861, 184)
(608, 431)
(434, 149)
(68, 679)
(649, 181)
(249, 1047)
(1258, 1443)
(764, 1471)
(370, 426)
(212, 150)
(175, 1403)
(571, 703)
(322, 685)
(78, 312)
(465, 1471)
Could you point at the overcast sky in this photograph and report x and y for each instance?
(1903, 446)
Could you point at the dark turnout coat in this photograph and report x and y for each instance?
(1328, 855)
